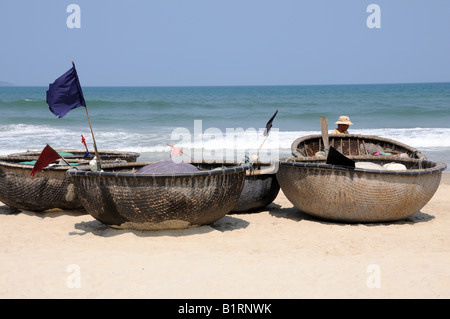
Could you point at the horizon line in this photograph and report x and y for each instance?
(235, 85)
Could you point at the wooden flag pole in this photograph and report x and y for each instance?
(257, 153)
(60, 99)
(99, 165)
(266, 133)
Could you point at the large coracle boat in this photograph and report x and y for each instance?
(368, 192)
(128, 196)
(51, 187)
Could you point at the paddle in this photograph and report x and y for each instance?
(324, 129)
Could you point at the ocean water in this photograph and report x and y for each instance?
(226, 122)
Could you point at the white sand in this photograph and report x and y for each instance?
(276, 253)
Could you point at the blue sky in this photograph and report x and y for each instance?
(225, 42)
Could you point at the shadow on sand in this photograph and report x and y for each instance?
(226, 223)
(297, 215)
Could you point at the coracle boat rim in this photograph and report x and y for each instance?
(76, 172)
(361, 137)
(15, 162)
(438, 166)
(103, 153)
(257, 168)
(374, 138)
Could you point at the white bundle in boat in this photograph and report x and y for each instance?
(369, 165)
(394, 166)
(390, 166)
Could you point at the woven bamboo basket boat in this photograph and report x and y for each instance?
(359, 195)
(260, 188)
(354, 145)
(70, 154)
(121, 198)
(49, 188)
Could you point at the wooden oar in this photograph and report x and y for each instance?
(324, 129)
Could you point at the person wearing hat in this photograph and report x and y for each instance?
(343, 123)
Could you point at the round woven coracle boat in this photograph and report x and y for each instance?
(354, 145)
(357, 194)
(80, 154)
(49, 188)
(260, 188)
(120, 197)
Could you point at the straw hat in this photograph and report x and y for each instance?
(343, 120)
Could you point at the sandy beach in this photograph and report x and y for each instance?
(278, 252)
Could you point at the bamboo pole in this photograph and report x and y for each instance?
(257, 153)
(99, 164)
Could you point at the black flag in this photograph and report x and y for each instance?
(269, 124)
(336, 158)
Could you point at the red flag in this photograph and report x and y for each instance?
(83, 140)
(47, 156)
(175, 151)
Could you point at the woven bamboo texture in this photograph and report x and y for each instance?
(79, 154)
(49, 188)
(259, 190)
(359, 195)
(352, 145)
(121, 199)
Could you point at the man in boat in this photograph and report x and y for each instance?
(343, 123)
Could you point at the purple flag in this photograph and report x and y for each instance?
(65, 93)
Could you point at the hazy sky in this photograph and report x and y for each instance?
(225, 42)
